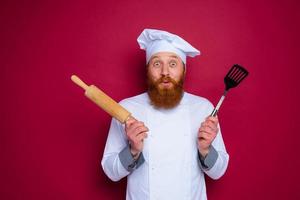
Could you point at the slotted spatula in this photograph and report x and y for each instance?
(235, 75)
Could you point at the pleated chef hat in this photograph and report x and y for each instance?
(154, 41)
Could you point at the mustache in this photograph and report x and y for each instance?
(166, 79)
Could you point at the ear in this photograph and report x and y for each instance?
(184, 68)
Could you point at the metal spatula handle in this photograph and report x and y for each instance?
(215, 111)
(233, 78)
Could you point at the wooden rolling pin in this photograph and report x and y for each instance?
(102, 100)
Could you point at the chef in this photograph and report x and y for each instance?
(165, 150)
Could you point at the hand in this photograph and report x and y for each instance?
(136, 132)
(206, 134)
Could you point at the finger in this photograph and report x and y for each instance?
(204, 129)
(140, 130)
(134, 133)
(134, 125)
(207, 137)
(129, 122)
(208, 122)
(212, 126)
(208, 128)
(201, 129)
(142, 136)
(204, 135)
(215, 120)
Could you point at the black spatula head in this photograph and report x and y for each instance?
(235, 75)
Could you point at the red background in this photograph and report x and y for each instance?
(52, 137)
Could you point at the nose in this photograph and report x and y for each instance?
(165, 70)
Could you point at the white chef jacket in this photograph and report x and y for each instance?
(169, 167)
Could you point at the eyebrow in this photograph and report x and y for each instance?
(175, 57)
(154, 57)
(172, 56)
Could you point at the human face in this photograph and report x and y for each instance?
(165, 79)
(165, 64)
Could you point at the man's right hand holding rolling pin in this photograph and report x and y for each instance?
(136, 132)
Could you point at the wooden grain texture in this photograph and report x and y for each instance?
(103, 100)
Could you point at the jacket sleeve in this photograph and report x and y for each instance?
(117, 161)
(216, 161)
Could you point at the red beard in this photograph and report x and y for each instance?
(165, 97)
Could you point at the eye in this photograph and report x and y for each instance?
(173, 64)
(156, 64)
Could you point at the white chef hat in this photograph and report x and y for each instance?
(154, 41)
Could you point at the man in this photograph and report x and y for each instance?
(171, 142)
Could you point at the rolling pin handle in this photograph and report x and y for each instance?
(79, 82)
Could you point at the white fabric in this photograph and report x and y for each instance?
(171, 169)
(154, 41)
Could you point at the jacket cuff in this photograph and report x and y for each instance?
(127, 160)
(210, 159)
